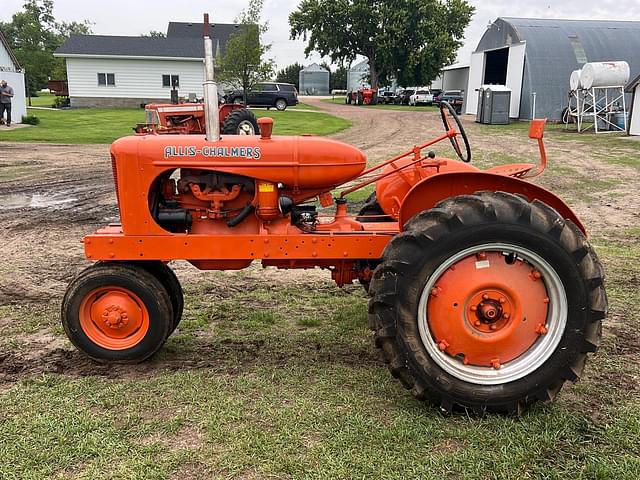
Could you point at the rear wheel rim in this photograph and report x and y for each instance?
(246, 128)
(114, 318)
(475, 314)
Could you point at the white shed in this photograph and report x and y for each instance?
(634, 119)
(11, 72)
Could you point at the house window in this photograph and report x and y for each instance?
(107, 79)
(170, 80)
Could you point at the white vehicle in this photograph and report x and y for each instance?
(422, 96)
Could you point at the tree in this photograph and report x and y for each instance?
(154, 34)
(290, 74)
(407, 39)
(243, 63)
(33, 34)
(338, 79)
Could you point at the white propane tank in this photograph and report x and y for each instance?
(604, 74)
(574, 81)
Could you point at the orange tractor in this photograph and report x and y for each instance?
(362, 96)
(484, 291)
(189, 119)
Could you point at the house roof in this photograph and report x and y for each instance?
(219, 31)
(4, 43)
(183, 40)
(107, 45)
(314, 67)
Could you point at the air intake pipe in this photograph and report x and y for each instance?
(211, 112)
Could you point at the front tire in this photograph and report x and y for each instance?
(281, 104)
(488, 302)
(117, 313)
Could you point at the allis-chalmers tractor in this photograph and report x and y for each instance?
(484, 291)
(362, 96)
(189, 119)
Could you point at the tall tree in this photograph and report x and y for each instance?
(33, 34)
(338, 79)
(408, 39)
(243, 63)
(154, 34)
(290, 74)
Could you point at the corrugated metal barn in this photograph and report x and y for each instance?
(538, 55)
(314, 80)
(358, 76)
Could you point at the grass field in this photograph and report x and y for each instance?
(104, 125)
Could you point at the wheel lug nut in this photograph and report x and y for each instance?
(506, 316)
(541, 329)
(492, 326)
(503, 300)
(478, 323)
(485, 297)
(495, 363)
(473, 308)
(443, 345)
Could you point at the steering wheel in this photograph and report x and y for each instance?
(445, 110)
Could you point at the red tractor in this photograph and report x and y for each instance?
(362, 96)
(189, 118)
(484, 291)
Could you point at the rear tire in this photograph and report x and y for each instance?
(241, 122)
(514, 236)
(117, 313)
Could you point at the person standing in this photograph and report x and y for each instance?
(6, 94)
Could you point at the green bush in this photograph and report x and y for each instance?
(30, 120)
(59, 102)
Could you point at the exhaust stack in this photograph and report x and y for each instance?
(211, 113)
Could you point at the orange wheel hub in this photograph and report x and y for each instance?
(114, 318)
(488, 309)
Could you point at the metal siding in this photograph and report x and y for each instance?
(550, 57)
(314, 82)
(134, 78)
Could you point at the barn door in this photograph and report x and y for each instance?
(515, 71)
(476, 72)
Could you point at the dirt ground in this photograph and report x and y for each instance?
(52, 195)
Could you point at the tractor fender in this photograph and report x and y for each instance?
(427, 193)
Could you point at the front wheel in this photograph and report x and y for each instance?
(281, 104)
(488, 302)
(118, 313)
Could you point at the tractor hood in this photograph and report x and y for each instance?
(302, 162)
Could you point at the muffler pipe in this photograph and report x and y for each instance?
(211, 113)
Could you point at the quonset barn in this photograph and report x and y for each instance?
(538, 55)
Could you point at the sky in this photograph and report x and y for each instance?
(124, 17)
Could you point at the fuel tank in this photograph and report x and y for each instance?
(303, 162)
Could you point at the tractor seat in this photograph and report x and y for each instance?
(518, 170)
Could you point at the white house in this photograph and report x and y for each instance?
(11, 72)
(114, 71)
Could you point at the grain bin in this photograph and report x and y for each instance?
(314, 80)
(604, 74)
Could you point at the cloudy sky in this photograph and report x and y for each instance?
(124, 17)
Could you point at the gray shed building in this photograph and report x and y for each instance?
(314, 80)
(538, 55)
(358, 75)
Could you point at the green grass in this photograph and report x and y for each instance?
(104, 125)
(340, 101)
(304, 106)
(44, 99)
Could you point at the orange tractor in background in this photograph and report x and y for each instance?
(189, 119)
(362, 96)
(484, 291)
